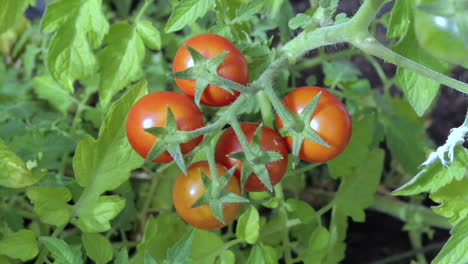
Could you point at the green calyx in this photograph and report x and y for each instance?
(169, 139)
(304, 131)
(253, 158)
(204, 72)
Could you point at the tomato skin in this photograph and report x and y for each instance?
(187, 190)
(331, 121)
(270, 140)
(440, 36)
(151, 111)
(234, 67)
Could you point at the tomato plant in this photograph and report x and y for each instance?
(188, 189)
(234, 67)
(151, 111)
(229, 143)
(330, 120)
(436, 33)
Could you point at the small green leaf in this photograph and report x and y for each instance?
(61, 251)
(419, 90)
(46, 88)
(181, 251)
(301, 21)
(95, 216)
(120, 60)
(160, 234)
(248, 225)
(204, 244)
(453, 199)
(316, 248)
(122, 257)
(149, 34)
(20, 245)
(456, 248)
(51, 204)
(247, 11)
(357, 149)
(227, 257)
(13, 170)
(366, 178)
(436, 176)
(186, 12)
(400, 19)
(301, 209)
(97, 247)
(263, 254)
(149, 259)
(10, 12)
(341, 70)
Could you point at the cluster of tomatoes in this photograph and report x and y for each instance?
(330, 120)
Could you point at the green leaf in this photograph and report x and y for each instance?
(406, 141)
(160, 234)
(456, 248)
(149, 34)
(247, 11)
(341, 70)
(11, 11)
(263, 254)
(70, 56)
(248, 225)
(301, 210)
(317, 246)
(120, 60)
(149, 259)
(61, 251)
(366, 179)
(46, 88)
(181, 251)
(122, 257)
(204, 244)
(96, 215)
(336, 245)
(357, 149)
(186, 12)
(419, 90)
(13, 170)
(20, 245)
(51, 204)
(103, 164)
(227, 257)
(436, 176)
(453, 199)
(301, 21)
(400, 19)
(98, 247)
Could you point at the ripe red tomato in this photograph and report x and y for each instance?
(234, 67)
(228, 143)
(151, 111)
(187, 190)
(331, 121)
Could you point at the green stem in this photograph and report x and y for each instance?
(240, 136)
(149, 199)
(416, 242)
(265, 108)
(142, 10)
(404, 211)
(370, 45)
(409, 254)
(283, 214)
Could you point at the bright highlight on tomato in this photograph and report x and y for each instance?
(151, 111)
(331, 121)
(234, 67)
(187, 190)
(270, 140)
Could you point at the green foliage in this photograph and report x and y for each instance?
(72, 189)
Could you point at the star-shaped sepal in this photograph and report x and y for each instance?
(301, 129)
(204, 72)
(169, 139)
(215, 193)
(254, 160)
